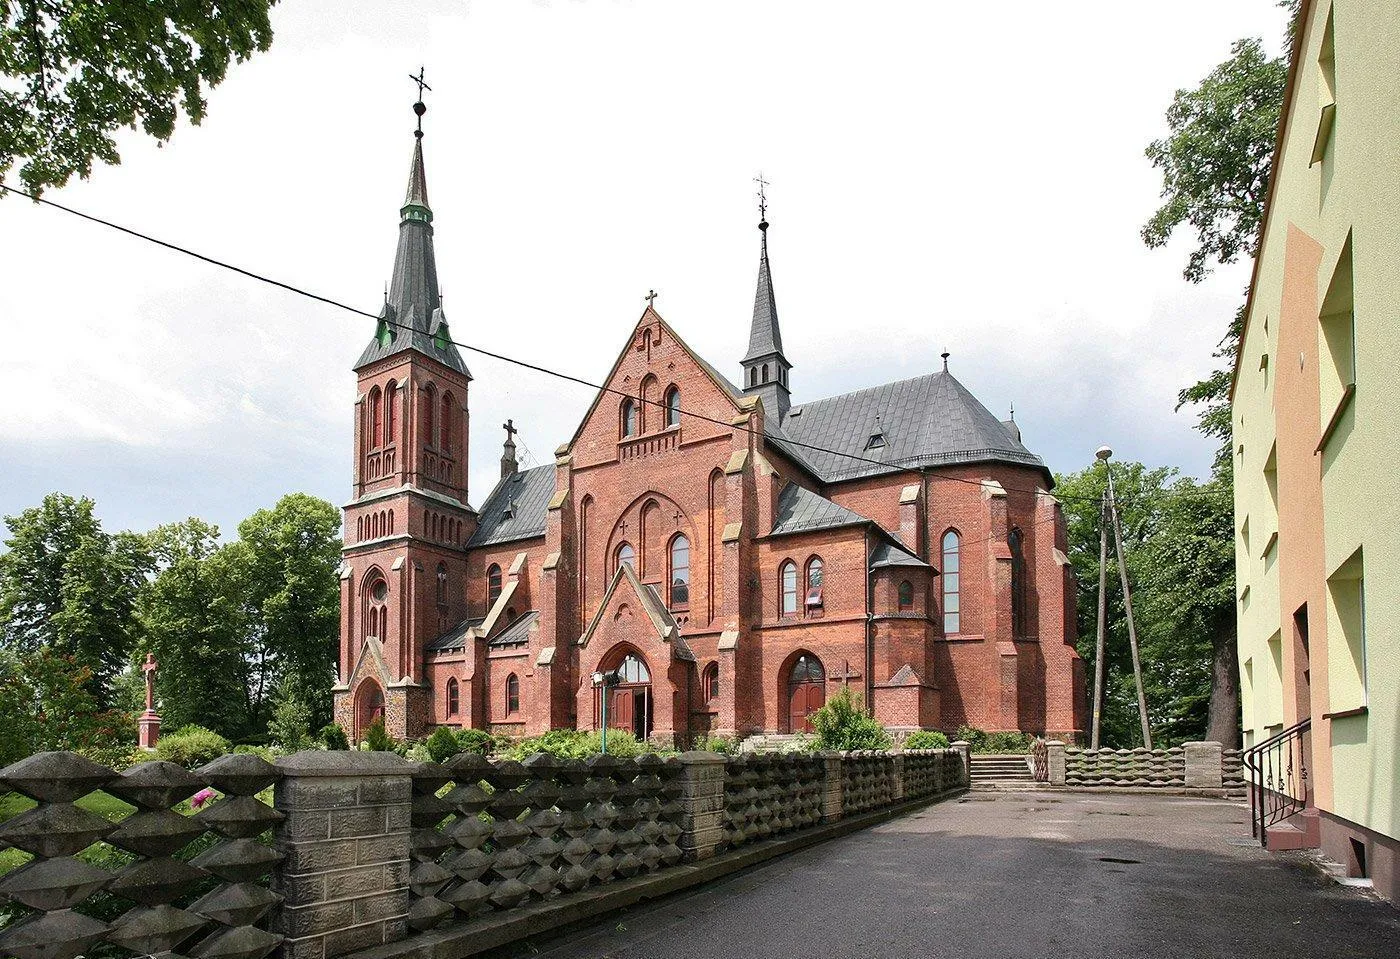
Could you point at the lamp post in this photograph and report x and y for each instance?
(604, 682)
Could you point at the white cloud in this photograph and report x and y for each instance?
(966, 178)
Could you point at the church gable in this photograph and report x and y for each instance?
(630, 418)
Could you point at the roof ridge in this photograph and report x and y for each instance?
(880, 386)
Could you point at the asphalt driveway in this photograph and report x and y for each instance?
(1013, 875)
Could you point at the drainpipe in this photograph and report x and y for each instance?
(869, 629)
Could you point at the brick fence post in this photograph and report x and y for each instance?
(344, 880)
(965, 749)
(702, 804)
(897, 780)
(832, 794)
(1055, 760)
(1203, 770)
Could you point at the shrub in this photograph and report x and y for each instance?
(377, 739)
(926, 739)
(1007, 743)
(191, 746)
(974, 737)
(334, 737)
(415, 752)
(717, 744)
(580, 744)
(843, 723)
(442, 745)
(266, 752)
(475, 741)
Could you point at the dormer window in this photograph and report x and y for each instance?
(876, 441)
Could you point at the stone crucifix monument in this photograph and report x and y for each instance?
(149, 723)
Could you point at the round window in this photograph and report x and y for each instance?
(380, 592)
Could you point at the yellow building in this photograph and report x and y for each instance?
(1316, 416)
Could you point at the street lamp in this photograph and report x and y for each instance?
(604, 682)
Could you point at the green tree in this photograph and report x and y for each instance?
(193, 616)
(46, 703)
(68, 586)
(78, 71)
(288, 558)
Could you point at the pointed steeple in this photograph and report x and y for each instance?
(765, 366)
(412, 317)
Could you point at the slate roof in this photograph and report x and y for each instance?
(891, 554)
(765, 338)
(517, 631)
(456, 637)
(930, 420)
(801, 511)
(516, 508)
(412, 317)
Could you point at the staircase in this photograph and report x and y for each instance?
(774, 743)
(1001, 773)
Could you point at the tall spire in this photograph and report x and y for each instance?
(412, 317)
(765, 366)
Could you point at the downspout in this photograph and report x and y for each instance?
(869, 629)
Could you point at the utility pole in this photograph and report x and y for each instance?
(1103, 620)
(1104, 453)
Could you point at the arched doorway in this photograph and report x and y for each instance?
(806, 690)
(630, 703)
(369, 706)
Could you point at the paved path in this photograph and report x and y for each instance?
(1013, 875)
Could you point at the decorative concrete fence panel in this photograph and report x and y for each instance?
(153, 893)
(867, 780)
(1126, 767)
(768, 794)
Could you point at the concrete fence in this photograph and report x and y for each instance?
(369, 855)
(1190, 767)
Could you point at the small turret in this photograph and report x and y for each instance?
(509, 465)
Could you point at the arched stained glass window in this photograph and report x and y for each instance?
(453, 697)
(906, 596)
(512, 694)
(787, 585)
(709, 683)
(807, 669)
(814, 583)
(952, 608)
(626, 554)
(493, 586)
(633, 670)
(680, 571)
(673, 407)
(1018, 583)
(629, 417)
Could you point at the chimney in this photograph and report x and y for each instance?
(509, 466)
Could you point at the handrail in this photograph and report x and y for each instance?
(1278, 786)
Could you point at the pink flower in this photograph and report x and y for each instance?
(201, 797)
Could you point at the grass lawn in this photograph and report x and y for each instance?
(12, 804)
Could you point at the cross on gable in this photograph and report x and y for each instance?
(650, 298)
(845, 676)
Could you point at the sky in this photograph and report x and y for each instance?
(967, 177)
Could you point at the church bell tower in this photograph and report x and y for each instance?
(408, 521)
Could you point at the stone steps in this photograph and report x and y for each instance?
(999, 770)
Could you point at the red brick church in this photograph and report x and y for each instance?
(735, 557)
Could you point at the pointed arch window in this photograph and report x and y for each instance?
(626, 554)
(512, 694)
(709, 683)
(952, 608)
(376, 621)
(787, 588)
(906, 597)
(629, 417)
(453, 697)
(376, 414)
(1018, 583)
(765, 372)
(680, 571)
(429, 407)
(814, 583)
(445, 442)
(673, 406)
(493, 586)
(633, 670)
(391, 425)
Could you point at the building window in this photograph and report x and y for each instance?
(633, 670)
(787, 578)
(876, 441)
(391, 393)
(680, 571)
(629, 417)
(814, 583)
(626, 554)
(1018, 583)
(1336, 342)
(376, 413)
(952, 609)
(445, 443)
(906, 597)
(512, 694)
(493, 586)
(453, 697)
(429, 402)
(709, 684)
(1346, 635)
(442, 584)
(377, 609)
(673, 407)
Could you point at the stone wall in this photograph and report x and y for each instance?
(142, 888)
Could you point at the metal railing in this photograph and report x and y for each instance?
(1278, 778)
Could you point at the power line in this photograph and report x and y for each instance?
(921, 472)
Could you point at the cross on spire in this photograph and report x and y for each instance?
(509, 427)
(420, 107)
(762, 201)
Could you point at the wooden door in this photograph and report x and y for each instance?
(807, 698)
(620, 713)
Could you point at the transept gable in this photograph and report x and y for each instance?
(370, 663)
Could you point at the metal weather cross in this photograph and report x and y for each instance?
(420, 107)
